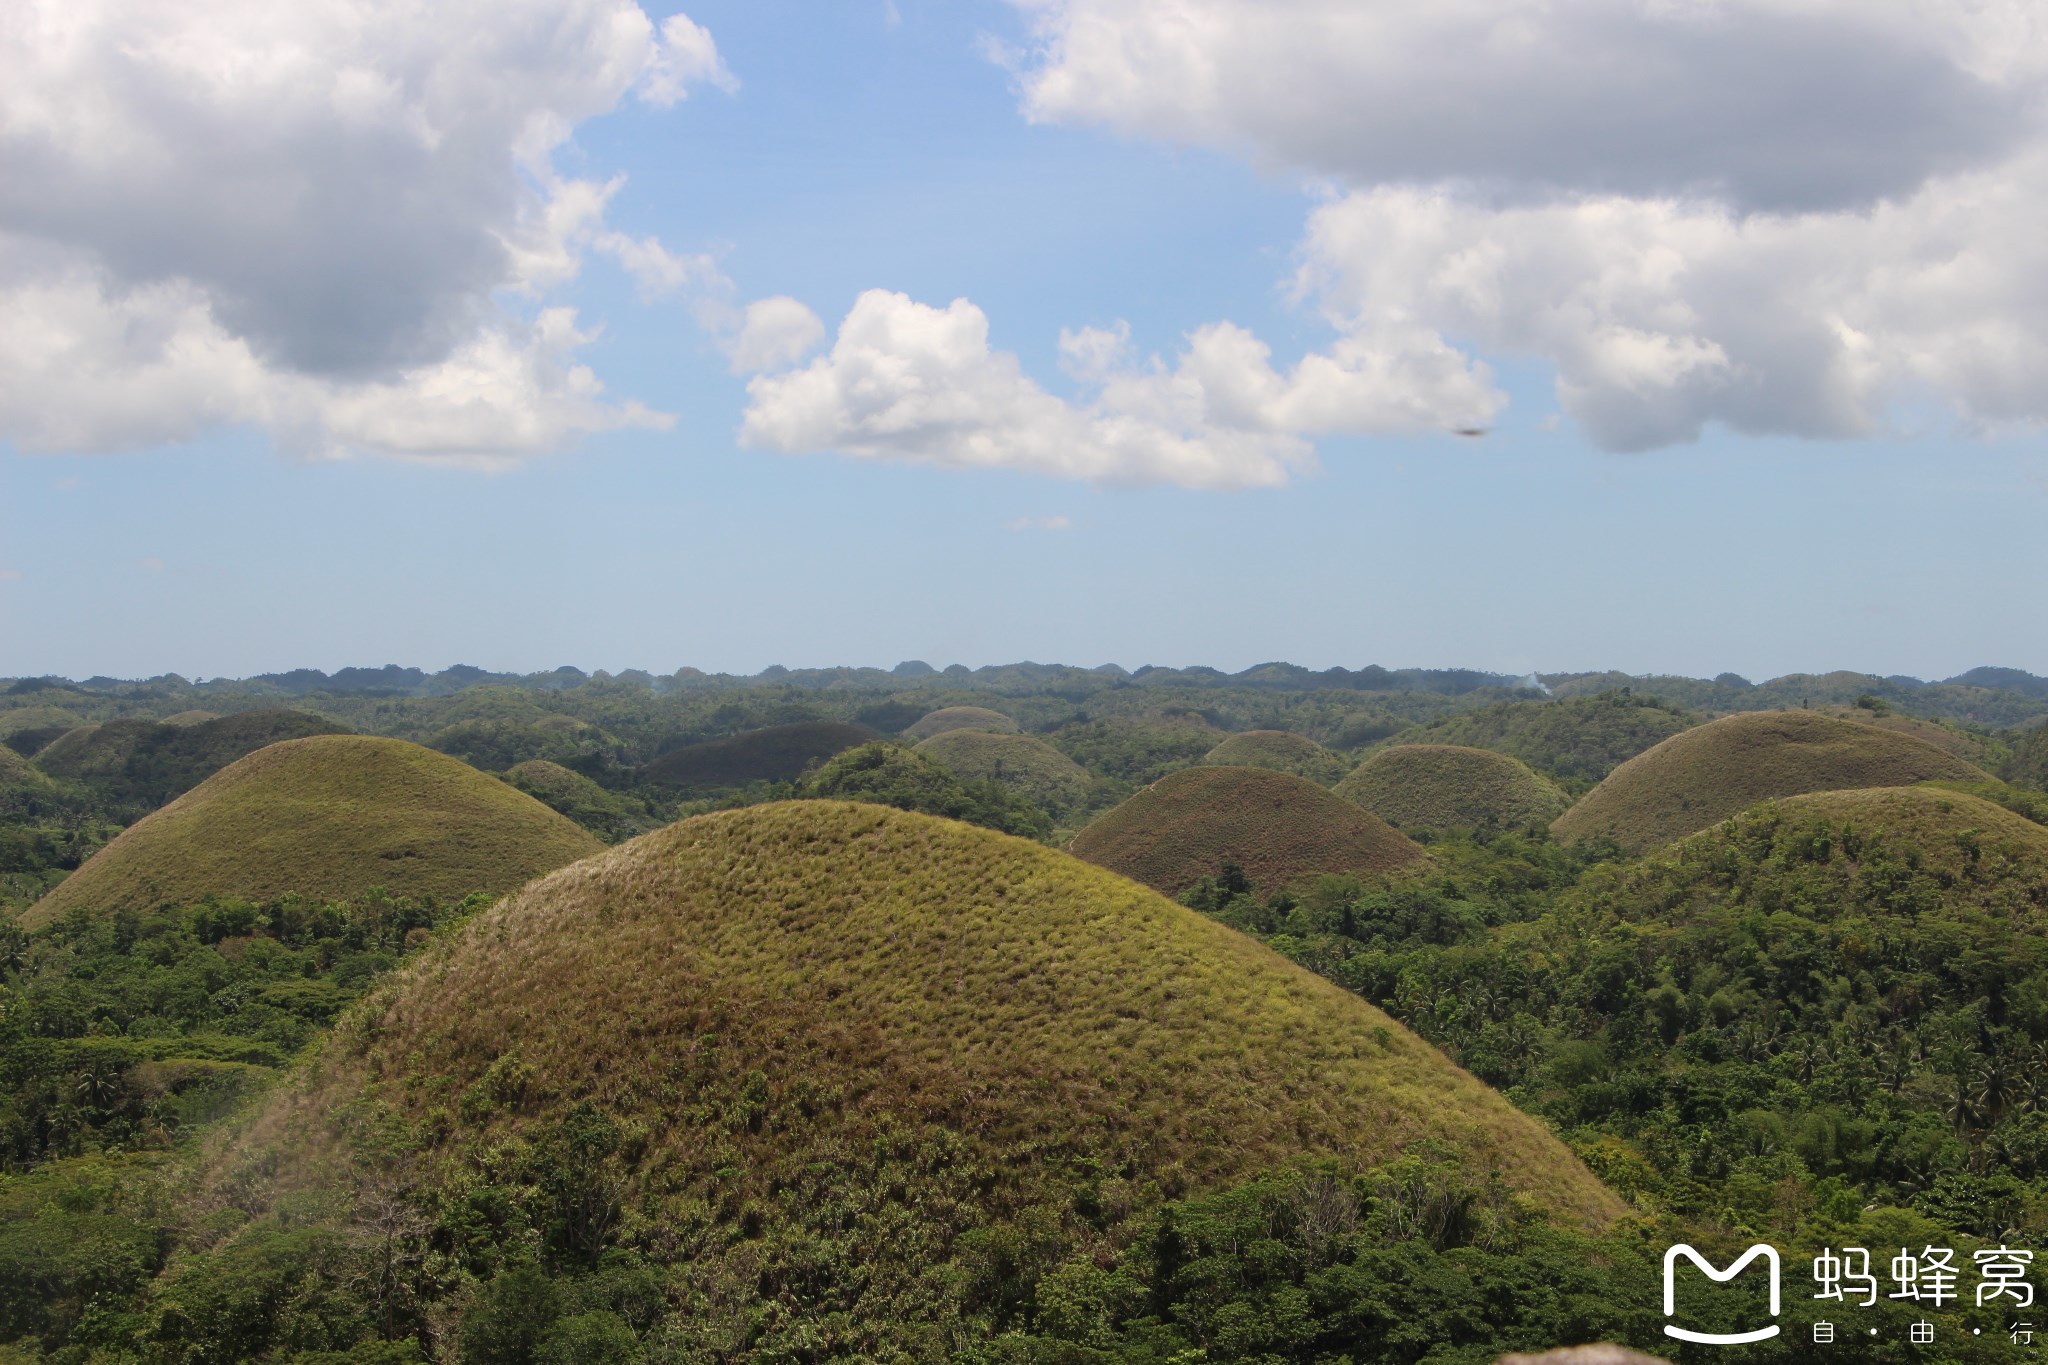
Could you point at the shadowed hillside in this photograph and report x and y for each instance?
(839, 1065)
(1453, 787)
(778, 753)
(1281, 750)
(1703, 776)
(329, 817)
(1275, 826)
(1028, 766)
(959, 718)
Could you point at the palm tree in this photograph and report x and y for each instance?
(98, 1083)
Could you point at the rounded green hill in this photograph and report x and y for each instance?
(1281, 750)
(778, 753)
(23, 787)
(607, 814)
(50, 719)
(1275, 826)
(959, 718)
(1453, 787)
(1574, 741)
(1930, 861)
(140, 764)
(1945, 828)
(846, 1055)
(16, 771)
(1704, 775)
(1030, 767)
(329, 817)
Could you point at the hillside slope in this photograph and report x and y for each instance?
(1704, 775)
(838, 1064)
(1281, 750)
(1575, 741)
(1453, 787)
(1026, 765)
(776, 753)
(1275, 826)
(331, 816)
(137, 765)
(949, 718)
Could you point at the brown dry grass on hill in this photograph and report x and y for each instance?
(1966, 747)
(330, 817)
(1453, 787)
(1276, 826)
(950, 718)
(855, 1049)
(1702, 776)
(1281, 750)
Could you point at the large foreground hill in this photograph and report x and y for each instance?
(329, 817)
(847, 1062)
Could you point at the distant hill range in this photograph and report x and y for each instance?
(1726, 691)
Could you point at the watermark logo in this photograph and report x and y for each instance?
(1769, 1255)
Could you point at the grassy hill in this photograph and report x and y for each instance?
(16, 771)
(607, 814)
(1946, 828)
(1967, 747)
(778, 753)
(949, 718)
(1453, 787)
(854, 1076)
(1282, 751)
(1030, 767)
(19, 719)
(330, 817)
(1576, 741)
(1704, 775)
(136, 765)
(2029, 762)
(1275, 826)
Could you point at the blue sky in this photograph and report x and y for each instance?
(1892, 524)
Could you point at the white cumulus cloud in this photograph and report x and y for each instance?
(1779, 216)
(299, 215)
(908, 381)
(774, 333)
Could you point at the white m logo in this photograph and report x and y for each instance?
(1769, 1253)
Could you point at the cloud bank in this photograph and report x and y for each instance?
(299, 215)
(1782, 216)
(910, 382)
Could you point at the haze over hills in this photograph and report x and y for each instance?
(332, 817)
(1704, 775)
(834, 1032)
